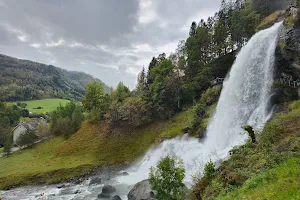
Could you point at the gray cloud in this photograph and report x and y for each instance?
(110, 39)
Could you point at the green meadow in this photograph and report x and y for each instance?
(47, 105)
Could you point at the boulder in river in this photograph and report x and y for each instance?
(96, 180)
(108, 189)
(125, 174)
(61, 186)
(103, 196)
(141, 190)
(115, 198)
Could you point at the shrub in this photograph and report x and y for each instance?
(167, 178)
(43, 130)
(133, 112)
(295, 105)
(250, 132)
(27, 139)
(8, 145)
(199, 112)
(209, 170)
(66, 120)
(210, 96)
(22, 105)
(96, 101)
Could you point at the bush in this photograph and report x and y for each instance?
(43, 130)
(132, 112)
(209, 170)
(210, 96)
(66, 120)
(27, 139)
(295, 105)
(167, 178)
(7, 145)
(23, 105)
(199, 112)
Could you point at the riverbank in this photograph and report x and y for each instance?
(58, 159)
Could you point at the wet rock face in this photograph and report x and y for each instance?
(292, 46)
(289, 41)
(141, 191)
(281, 4)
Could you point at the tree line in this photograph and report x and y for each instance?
(169, 82)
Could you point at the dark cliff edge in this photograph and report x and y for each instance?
(287, 59)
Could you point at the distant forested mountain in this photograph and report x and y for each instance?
(22, 80)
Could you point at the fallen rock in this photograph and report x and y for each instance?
(96, 180)
(141, 190)
(115, 198)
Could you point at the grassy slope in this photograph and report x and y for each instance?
(48, 105)
(281, 182)
(270, 20)
(58, 159)
(268, 169)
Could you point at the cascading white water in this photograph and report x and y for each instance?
(244, 100)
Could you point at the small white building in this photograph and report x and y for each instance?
(22, 128)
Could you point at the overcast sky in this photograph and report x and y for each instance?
(109, 39)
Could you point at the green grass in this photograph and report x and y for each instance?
(93, 145)
(1, 150)
(208, 115)
(48, 105)
(281, 182)
(270, 20)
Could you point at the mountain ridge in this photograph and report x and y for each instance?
(22, 80)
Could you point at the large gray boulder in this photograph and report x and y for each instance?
(108, 189)
(141, 191)
(115, 198)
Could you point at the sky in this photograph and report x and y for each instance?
(109, 39)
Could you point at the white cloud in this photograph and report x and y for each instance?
(142, 47)
(23, 38)
(147, 12)
(76, 44)
(132, 70)
(107, 66)
(36, 45)
(58, 43)
(82, 62)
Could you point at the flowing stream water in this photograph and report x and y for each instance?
(245, 99)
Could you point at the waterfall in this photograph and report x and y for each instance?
(244, 100)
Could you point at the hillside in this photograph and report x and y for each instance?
(22, 80)
(86, 149)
